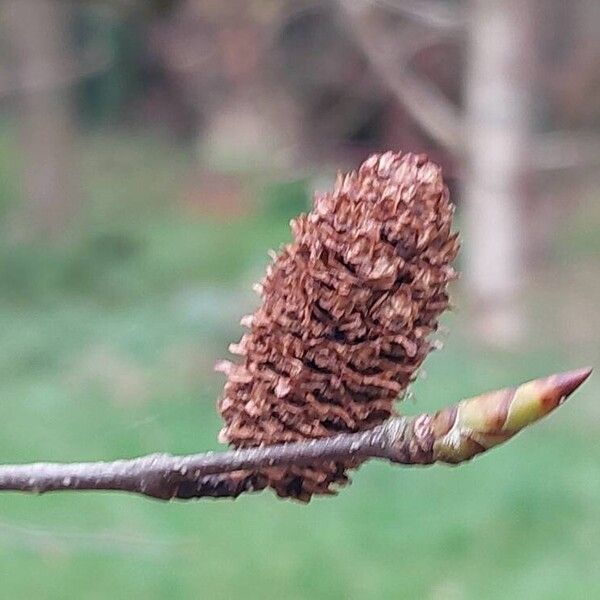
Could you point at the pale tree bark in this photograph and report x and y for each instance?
(38, 37)
(498, 131)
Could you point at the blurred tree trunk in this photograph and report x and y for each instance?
(43, 66)
(498, 130)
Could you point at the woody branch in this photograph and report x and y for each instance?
(452, 435)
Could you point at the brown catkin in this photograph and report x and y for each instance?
(346, 312)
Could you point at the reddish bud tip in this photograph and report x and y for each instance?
(566, 383)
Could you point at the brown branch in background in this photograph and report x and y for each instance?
(390, 57)
(433, 13)
(452, 435)
(390, 60)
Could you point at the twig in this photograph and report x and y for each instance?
(437, 115)
(452, 435)
(441, 15)
(428, 106)
(562, 150)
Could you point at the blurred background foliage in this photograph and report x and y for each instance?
(150, 155)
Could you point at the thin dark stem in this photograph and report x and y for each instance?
(162, 475)
(452, 435)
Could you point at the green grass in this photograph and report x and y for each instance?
(107, 340)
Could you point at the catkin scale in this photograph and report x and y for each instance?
(347, 311)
